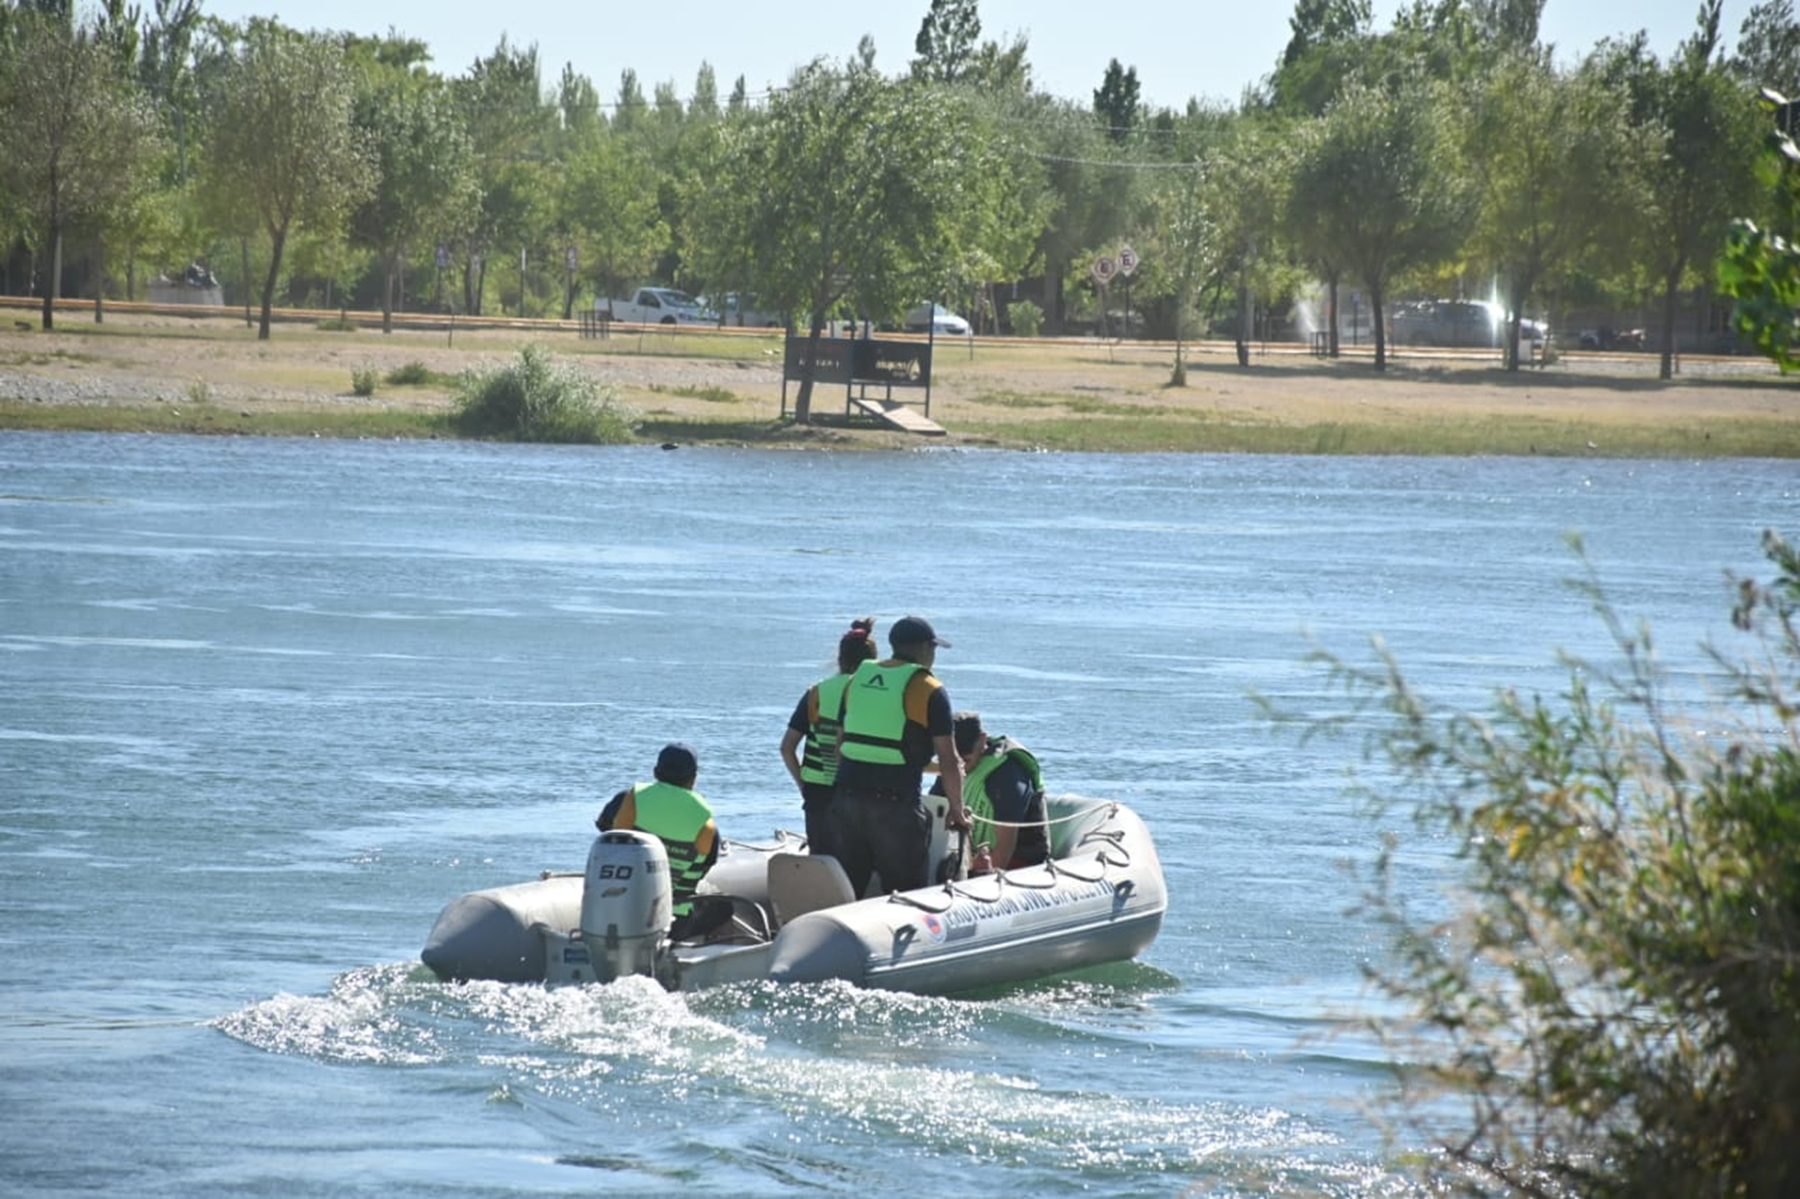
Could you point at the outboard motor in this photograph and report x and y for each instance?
(626, 905)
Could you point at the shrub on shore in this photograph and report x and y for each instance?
(537, 399)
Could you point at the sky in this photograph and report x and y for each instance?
(1191, 48)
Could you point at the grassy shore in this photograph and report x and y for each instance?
(145, 373)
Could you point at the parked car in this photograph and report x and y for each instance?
(937, 318)
(1605, 338)
(741, 311)
(1459, 323)
(658, 306)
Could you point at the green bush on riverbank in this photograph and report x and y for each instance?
(536, 399)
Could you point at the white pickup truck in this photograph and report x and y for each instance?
(658, 306)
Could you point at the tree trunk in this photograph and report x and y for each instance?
(1515, 303)
(1244, 319)
(276, 243)
(98, 270)
(244, 249)
(54, 246)
(1671, 290)
(1378, 301)
(387, 292)
(810, 365)
(1331, 313)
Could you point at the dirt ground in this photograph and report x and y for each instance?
(136, 359)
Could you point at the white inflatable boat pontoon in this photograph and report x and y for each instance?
(1099, 898)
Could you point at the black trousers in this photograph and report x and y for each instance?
(881, 831)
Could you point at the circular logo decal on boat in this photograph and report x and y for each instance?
(934, 927)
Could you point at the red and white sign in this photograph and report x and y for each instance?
(1128, 261)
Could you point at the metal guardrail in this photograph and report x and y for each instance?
(441, 322)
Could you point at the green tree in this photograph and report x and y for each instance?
(425, 185)
(1699, 170)
(609, 199)
(511, 130)
(703, 105)
(1090, 194)
(1768, 48)
(578, 103)
(1249, 175)
(1376, 189)
(78, 140)
(1327, 44)
(1184, 243)
(630, 108)
(1549, 153)
(283, 142)
(848, 188)
(946, 43)
(1511, 26)
(1317, 23)
(1760, 265)
(1614, 992)
(1116, 101)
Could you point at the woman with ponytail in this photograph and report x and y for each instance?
(816, 724)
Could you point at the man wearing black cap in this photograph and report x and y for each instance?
(897, 717)
(672, 811)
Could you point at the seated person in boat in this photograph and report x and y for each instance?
(1004, 792)
(671, 810)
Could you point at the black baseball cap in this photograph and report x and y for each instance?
(676, 763)
(914, 630)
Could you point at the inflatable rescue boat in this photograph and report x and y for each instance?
(1099, 898)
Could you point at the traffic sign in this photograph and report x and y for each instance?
(1128, 261)
(1104, 269)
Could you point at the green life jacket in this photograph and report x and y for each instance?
(975, 796)
(819, 763)
(676, 817)
(875, 713)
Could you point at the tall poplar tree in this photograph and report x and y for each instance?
(946, 44)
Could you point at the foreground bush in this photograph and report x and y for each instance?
(535, 399)
(1616, 998)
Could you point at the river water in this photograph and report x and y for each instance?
(267, 705)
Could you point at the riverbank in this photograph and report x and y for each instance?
(143, 372)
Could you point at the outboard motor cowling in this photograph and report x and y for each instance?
(626, 904)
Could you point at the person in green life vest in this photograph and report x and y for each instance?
(897, 718)
(671, 810)
(1003, 789)
(814, 724)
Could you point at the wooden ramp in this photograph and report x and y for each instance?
(898, 416)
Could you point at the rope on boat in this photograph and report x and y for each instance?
(783, 838)
(1111, 805)
(1112, 853)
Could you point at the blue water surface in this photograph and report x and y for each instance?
(267, 705)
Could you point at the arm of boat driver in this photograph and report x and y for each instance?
(790, 745)
(950, 773)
